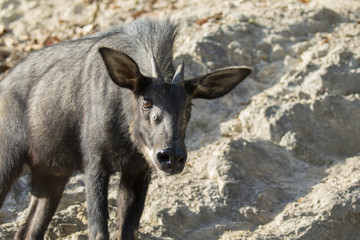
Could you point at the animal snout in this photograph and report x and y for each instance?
(172, 160)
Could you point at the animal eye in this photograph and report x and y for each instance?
(147, 104)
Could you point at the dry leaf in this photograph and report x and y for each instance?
(202, 21)
(325, 40)
(51, 40)
(138, 13)
(217, 17)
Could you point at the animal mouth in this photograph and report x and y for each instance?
(165, 164)
(159, 169)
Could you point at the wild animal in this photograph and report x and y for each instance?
(109, 102)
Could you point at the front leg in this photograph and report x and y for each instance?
(97, 180)
(132, 193)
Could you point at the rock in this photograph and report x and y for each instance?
(335, 200)
(212, 54)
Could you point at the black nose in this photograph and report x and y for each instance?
(172, 160)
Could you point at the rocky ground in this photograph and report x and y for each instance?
(277, 158)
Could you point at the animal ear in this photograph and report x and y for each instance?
(122, 69)
(216, 83)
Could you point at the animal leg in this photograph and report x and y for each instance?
(11, 165)
(46, 193)
(13, 151)
(132, 194)
(97, 205)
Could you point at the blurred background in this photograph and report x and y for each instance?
(277, 158)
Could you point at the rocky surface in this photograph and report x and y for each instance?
(277, 158)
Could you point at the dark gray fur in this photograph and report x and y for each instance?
(93, 105)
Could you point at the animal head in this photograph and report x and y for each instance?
(163, 107)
